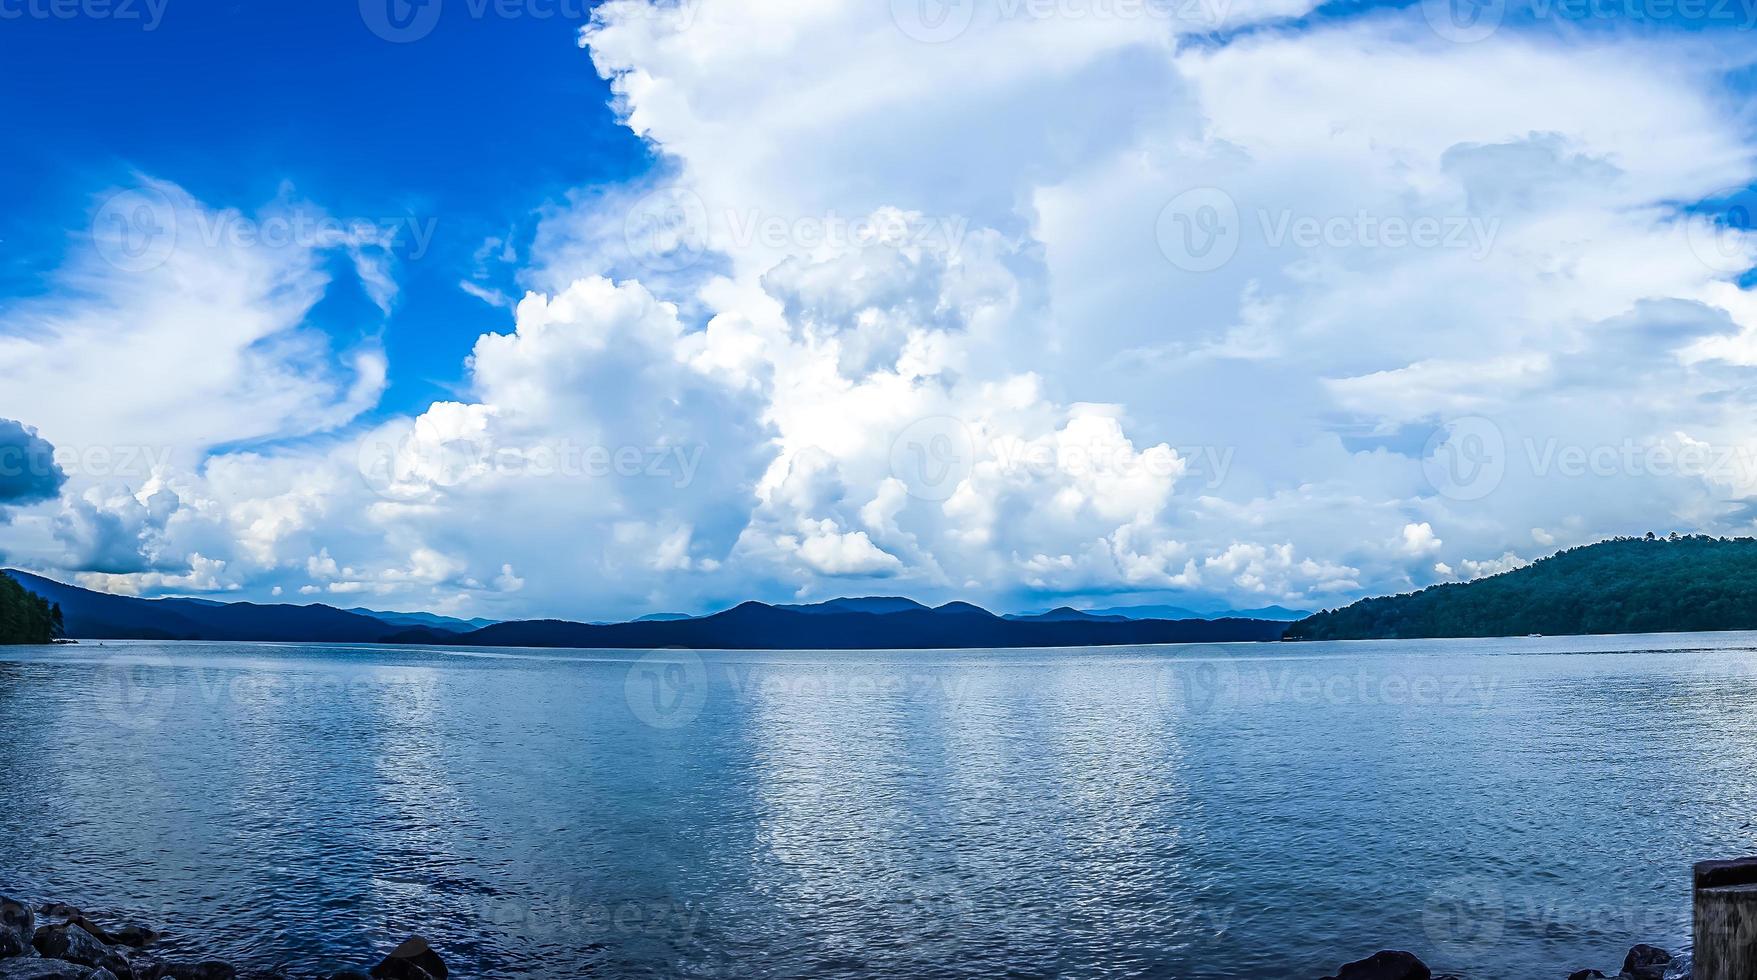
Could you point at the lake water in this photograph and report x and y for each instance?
(1505, 808)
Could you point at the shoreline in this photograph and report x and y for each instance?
(1642, 962)
(51, 940)
(55, 941)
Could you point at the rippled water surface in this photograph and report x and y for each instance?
(1506, 808)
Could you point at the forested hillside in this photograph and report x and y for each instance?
(25, 618)
(1624, 585)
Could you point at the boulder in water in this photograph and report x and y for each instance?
(133, 934)
(18, 926)
(33, 968)
(413, 960)
(1646, 962)
(203, 970)
(1386, 964)
(74, 944)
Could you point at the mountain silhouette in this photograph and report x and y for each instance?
(759, 626)
(873, 622)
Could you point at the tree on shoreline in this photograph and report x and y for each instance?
(25, 617)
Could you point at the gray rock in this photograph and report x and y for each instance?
(1387, 964)
(133, 934)
(1586, 975)
(18, 926)
(70, 942)
(20, 968)
(414, 960)
(1646, 962)
(204, 970)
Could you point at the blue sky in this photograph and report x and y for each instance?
(1030, 302)
(475, 127)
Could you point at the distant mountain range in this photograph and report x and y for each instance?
(880, 622)
(420, 619)
(1624, 585)
(844, 624)
(1277, 613)
(92, 615)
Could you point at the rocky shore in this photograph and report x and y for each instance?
(55, 941)
(1643, 963)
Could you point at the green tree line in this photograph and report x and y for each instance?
(24, 616)
(1624, 585)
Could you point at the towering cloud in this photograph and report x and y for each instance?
(29, 473)
(1237, 301)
